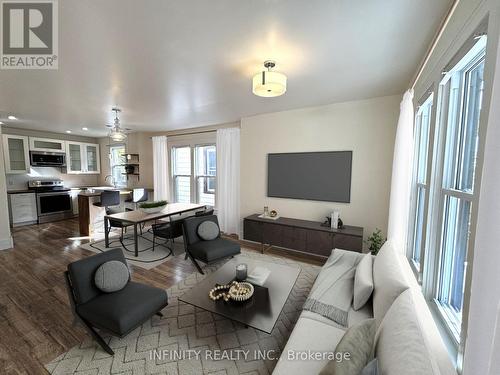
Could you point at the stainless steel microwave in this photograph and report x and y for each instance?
(47, 159)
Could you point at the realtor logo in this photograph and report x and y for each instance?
(29, 37)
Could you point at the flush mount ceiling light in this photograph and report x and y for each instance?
(12, 117)
(268, 83)
(117, 133)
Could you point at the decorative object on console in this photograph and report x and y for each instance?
(266, 211)
(273, 213)
(241, 272)
(375, 241)
(335, 219)
(153, 207)
(258, 276)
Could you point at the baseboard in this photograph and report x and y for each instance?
(6, 243)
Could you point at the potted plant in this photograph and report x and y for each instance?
(375, 241)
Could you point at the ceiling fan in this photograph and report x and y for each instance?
(116, 132)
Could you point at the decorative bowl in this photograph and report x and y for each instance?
(241, 291)
(153, 210)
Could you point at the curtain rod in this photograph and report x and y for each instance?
(190, 133)
(434, 43)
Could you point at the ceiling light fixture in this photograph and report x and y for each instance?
(85, 129)
(1, 123)
(116, 133)
(68, 131)
(12, 117)
(268, 83)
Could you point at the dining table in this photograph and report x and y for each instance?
(137, 217)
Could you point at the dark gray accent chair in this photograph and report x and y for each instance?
(116, 313)
(206, 251)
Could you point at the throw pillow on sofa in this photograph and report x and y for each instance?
(389, 280)
(358, 343)
(208, 230)
(363, 282)
(111, 276)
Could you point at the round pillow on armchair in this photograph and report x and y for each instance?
(208, 230)
(111, 276)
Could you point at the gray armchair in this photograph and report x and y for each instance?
(117, 313)
(206, 251)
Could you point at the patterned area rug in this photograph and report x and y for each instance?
(147, 257)
(189, 340)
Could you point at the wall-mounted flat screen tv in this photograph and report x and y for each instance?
(321, 176)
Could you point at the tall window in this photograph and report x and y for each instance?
(420, 186)
(442, 203)
(116, 163)
(194, 174)
(460, 103)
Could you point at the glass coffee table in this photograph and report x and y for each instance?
(262, 310)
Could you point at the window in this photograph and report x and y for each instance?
(194, 174)
(182, 174)
(206, 165)
(443, 191)
(460, 102)
(420, 186)
(116, 160)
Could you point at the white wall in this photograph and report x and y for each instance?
(366, 127)
(5, 237)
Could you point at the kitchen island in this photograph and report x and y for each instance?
(91, 217)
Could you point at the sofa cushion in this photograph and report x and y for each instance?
(357, 343)
(122, 311)
(309, 335)
(363, 282)
(111, 276)
(356, 316)
(388, 278)
(401, 344)
(371, 368)
(208, 251)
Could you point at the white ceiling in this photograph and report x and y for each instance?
(180, 64)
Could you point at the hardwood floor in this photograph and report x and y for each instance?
(35, 318)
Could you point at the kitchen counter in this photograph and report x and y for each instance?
(97, 193)
(19, 191)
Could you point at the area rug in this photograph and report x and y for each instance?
(147, 257)
(185, 334)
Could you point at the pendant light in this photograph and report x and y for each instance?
(269, 83)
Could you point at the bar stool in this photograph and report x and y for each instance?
(112, 198)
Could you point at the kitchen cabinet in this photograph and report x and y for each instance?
(22, 207)
(82, 158)
(16, 154)
(47, 144)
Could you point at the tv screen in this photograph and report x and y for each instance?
(321, 176)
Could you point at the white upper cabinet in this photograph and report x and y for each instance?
(47, 144)
(16, 154)
(82, 158)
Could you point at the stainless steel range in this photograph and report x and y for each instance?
(53, 200)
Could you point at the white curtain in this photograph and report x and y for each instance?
(399, 205)
(228, 180)
(160, 168)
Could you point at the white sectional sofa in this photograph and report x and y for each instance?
(407, 340)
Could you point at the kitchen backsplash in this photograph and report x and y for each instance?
(19, 181)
